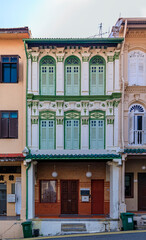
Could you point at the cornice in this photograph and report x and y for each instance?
(135, 89)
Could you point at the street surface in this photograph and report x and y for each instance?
(131, 235)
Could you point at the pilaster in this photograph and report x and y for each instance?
(110, 59)
(85, 72)
(60, 132)
(60, 72)
(84, 132)
(35, 77)
(31, 191)
(117, 74)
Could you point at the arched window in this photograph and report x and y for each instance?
(72, 76)
(72, 128)
(96, 133)
(137, 125)
(47, 130)
(47, 74)
(97, 75)
(136, 68)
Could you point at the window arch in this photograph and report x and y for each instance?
(47, 76)
(136, 68)
(97, 75)
(72, 76)
(137, 125)
(97, 130)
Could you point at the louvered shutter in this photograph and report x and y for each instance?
(144, 128)
(100, 134)
(75, 134)
(51, 80)
(43, 134)
(93, 80)
(131, 127)
(100, 86)
(75, 80)
(13, 127)
(50, 135)
(132, 70)
(140, 71)
(44, 80)
(93, 134)
(4, 128)
(69, 73)
(68, 134)
(0, 69)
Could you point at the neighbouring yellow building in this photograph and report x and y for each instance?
(12, 127)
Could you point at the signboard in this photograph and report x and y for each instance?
(85, 191)
(85, 198)
(11, 198)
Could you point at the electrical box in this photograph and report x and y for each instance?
(11, 198)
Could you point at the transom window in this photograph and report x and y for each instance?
(47, 68)
(97, 72)
(137, 68)
(72, 76)
(10, 69)
(137, 125)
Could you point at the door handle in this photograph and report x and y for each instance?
(69, 200)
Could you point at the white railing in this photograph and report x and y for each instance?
(138, 137)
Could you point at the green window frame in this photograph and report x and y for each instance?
(72, 130)
(72, 83)
(47, 130)
(97, 130)
(47, 76)
(97, 75)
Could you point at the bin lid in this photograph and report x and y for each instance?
(26, 223)
(127, 214)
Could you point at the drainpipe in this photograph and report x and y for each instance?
(27, 189)
(123, 88)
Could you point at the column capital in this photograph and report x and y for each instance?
(34, 119)
(35, 56)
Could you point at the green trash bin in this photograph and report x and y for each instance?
(127, 220)
(27, 229)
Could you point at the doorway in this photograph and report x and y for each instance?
(97, 196)
(141, 191)
(69, 197)
(3, 198)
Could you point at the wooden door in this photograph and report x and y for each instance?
(3, 198)
(97, 196)
(142, 191)
(69, 197)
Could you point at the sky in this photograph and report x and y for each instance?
(67, 18)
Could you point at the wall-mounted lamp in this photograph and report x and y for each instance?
(88, 173)
(54, 173)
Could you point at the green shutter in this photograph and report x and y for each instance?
(50, 136)
(51, 80)
(75, 134)
(96, 80)
(68, 134)
(93, 134)
(43, 134)
(44, 74)
(100, 134)
(75, 80)
(68, 80)
(96, 134)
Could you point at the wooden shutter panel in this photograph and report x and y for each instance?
(50, 135)
(75, 134)
(75, 80)
(93, 80)
(131, 127)
(132, 70)
(100, 86)
(69, 80)
(68, 134)
(4, 128)
(51, 80)
(100, 134)
(43, 134)
(144, 128)
(17, 68)
(13, 127)
(93, 134)
(44, 87)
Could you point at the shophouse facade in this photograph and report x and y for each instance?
(73, 107)
(12, 126)
(134, 111)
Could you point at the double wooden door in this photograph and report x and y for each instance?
(69, 197)
(142, 191)
(97, 196)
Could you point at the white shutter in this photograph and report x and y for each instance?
(100, 135)
(75, 80)
(93, 134)
(43, 134)
(132, 70)
(144, 128)
(75, 134)
(51, 80)
(131, 127)
(69, 80)
(44, 74)
(100, 86)
(93, 80)
(50, 136)
(68, 135)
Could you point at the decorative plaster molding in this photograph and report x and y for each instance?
(59, 120)
(85, 120)
(34, 119)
